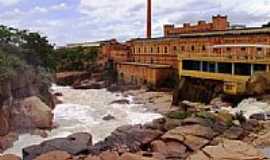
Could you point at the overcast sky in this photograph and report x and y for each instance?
(66, 21)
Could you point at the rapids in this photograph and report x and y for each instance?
(83, 111)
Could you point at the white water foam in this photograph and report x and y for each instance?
(83, 111)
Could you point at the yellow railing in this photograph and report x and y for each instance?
(224, 56)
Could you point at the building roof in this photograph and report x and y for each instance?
(245, 31)
(89, 44)
(156, 66)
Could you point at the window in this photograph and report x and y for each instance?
(211, 67)
(191, 65)
(259, 67)
(203, 48)
(139, 50)
(225, 68)
(145, 50)
(259, 49)
(151, 50)
(243, 49)
(228, 49)
(192, 48)
(183, 48)
(158, 49)
(243, 69)
(174, 48)
(165, 49)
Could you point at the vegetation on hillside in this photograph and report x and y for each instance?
(76, 59)
(26, 58)
(27, 46)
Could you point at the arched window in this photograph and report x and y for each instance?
(174, 48)
(151, 50)
(192, 48)
(203, 48)
(165, 49)
(139, 50)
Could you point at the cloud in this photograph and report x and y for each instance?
(59, 7)
(9, 2)
(89, 20)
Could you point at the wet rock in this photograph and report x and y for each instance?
(260, 116)
(73, 144)
(233, 150)
(9, 157)
(127, 138)
(81, 138)
(31, 113)
(55, 155)
(157, 124)
(120, 101)
(108, 118)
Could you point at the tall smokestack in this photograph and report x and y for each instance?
(149, 19)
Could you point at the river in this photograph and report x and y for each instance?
(83, 111)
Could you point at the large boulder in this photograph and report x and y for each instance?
(169, 149)
(258, 84)
(262, 140)
(193, 136)
(130, 156)
(74, 145)
(127, 138)
(229, 150)
(31, 113)
(9, 157)
(107, 155)
(4, 125)
(55, 155)
(7, 141)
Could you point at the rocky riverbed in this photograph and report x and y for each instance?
(98, 112)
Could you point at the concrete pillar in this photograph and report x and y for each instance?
(252, 69)
(216, 67)
(233, 69)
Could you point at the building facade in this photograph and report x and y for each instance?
(207, 51)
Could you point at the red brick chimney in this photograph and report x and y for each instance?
(149, 19)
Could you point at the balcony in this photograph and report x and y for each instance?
(237, 53)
